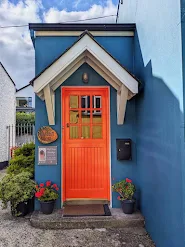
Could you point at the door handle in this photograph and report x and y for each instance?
(67, 125)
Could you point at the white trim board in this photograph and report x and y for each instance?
(78, 33)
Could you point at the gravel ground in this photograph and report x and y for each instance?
(17, 232)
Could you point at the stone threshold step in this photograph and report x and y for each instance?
(57, 221)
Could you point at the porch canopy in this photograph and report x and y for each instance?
(85, 50)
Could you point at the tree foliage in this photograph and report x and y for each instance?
(25, 118)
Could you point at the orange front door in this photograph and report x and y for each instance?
(85, 145)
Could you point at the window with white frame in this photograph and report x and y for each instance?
(24, 101)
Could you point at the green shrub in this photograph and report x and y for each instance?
(26, 150)
(24, 159)
(25, 118)
(16, 169)
(15, 189)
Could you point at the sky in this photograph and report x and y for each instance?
(16, 48)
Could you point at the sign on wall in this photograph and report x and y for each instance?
(47, 155)
(47, 135)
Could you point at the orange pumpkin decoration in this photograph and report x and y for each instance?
(47, 135)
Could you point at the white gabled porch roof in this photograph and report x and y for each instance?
(85, 50)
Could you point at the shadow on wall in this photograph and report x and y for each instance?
(159, 141)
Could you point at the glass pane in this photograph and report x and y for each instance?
(73, 101)
(85, 116)
(74, 117)
(73, 132)
(85, 101)
(97, 102)
(85, 132)
(97, 132)
(97, 117)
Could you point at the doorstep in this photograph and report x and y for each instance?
(57, 221)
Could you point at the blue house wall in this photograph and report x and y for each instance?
(159, 117)
(49, 48)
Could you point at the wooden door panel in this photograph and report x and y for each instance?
(86, 170)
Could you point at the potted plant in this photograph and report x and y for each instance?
(126, 190)
(18, 190)
(47, 195)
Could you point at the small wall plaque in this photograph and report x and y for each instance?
(47, 135)
(47, 155)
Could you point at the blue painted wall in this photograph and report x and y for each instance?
(159, 117)
(47, 49)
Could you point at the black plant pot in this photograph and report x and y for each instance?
(21, 209)
(47, 207)
(128, 206)
(31, 205)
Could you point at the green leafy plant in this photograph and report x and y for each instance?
(125, 188)
(46, 192)
(22, 118)
(27, 149)
(16, 189)
(24, 159)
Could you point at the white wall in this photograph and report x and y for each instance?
(27, 92)
(7, 112)
(158, 26)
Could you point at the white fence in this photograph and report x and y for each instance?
(20, 134)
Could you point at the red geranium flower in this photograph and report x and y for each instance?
(42, 191)
(118, 197)
(38, 194)
(41, 185)
(48, 183)
(128, 180)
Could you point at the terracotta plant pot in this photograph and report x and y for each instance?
(47, 207)
(128, 206)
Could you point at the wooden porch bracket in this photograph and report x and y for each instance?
(122, 97)
(50, 104)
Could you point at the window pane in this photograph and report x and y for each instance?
(85, 101)
(74, 117)
(85, 116)
(97, 117)
(73, 132)
(97, 132)
(97, 102)
(85, 132)
(73, 101)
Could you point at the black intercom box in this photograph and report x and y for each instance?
(124, 149)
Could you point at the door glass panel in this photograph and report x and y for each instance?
(73, 101)
(85, 116)
(85, 132)
(97, 117)
(97, 102)
(73, 132)
(74, 117)
(97, 132)
(85, 101)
